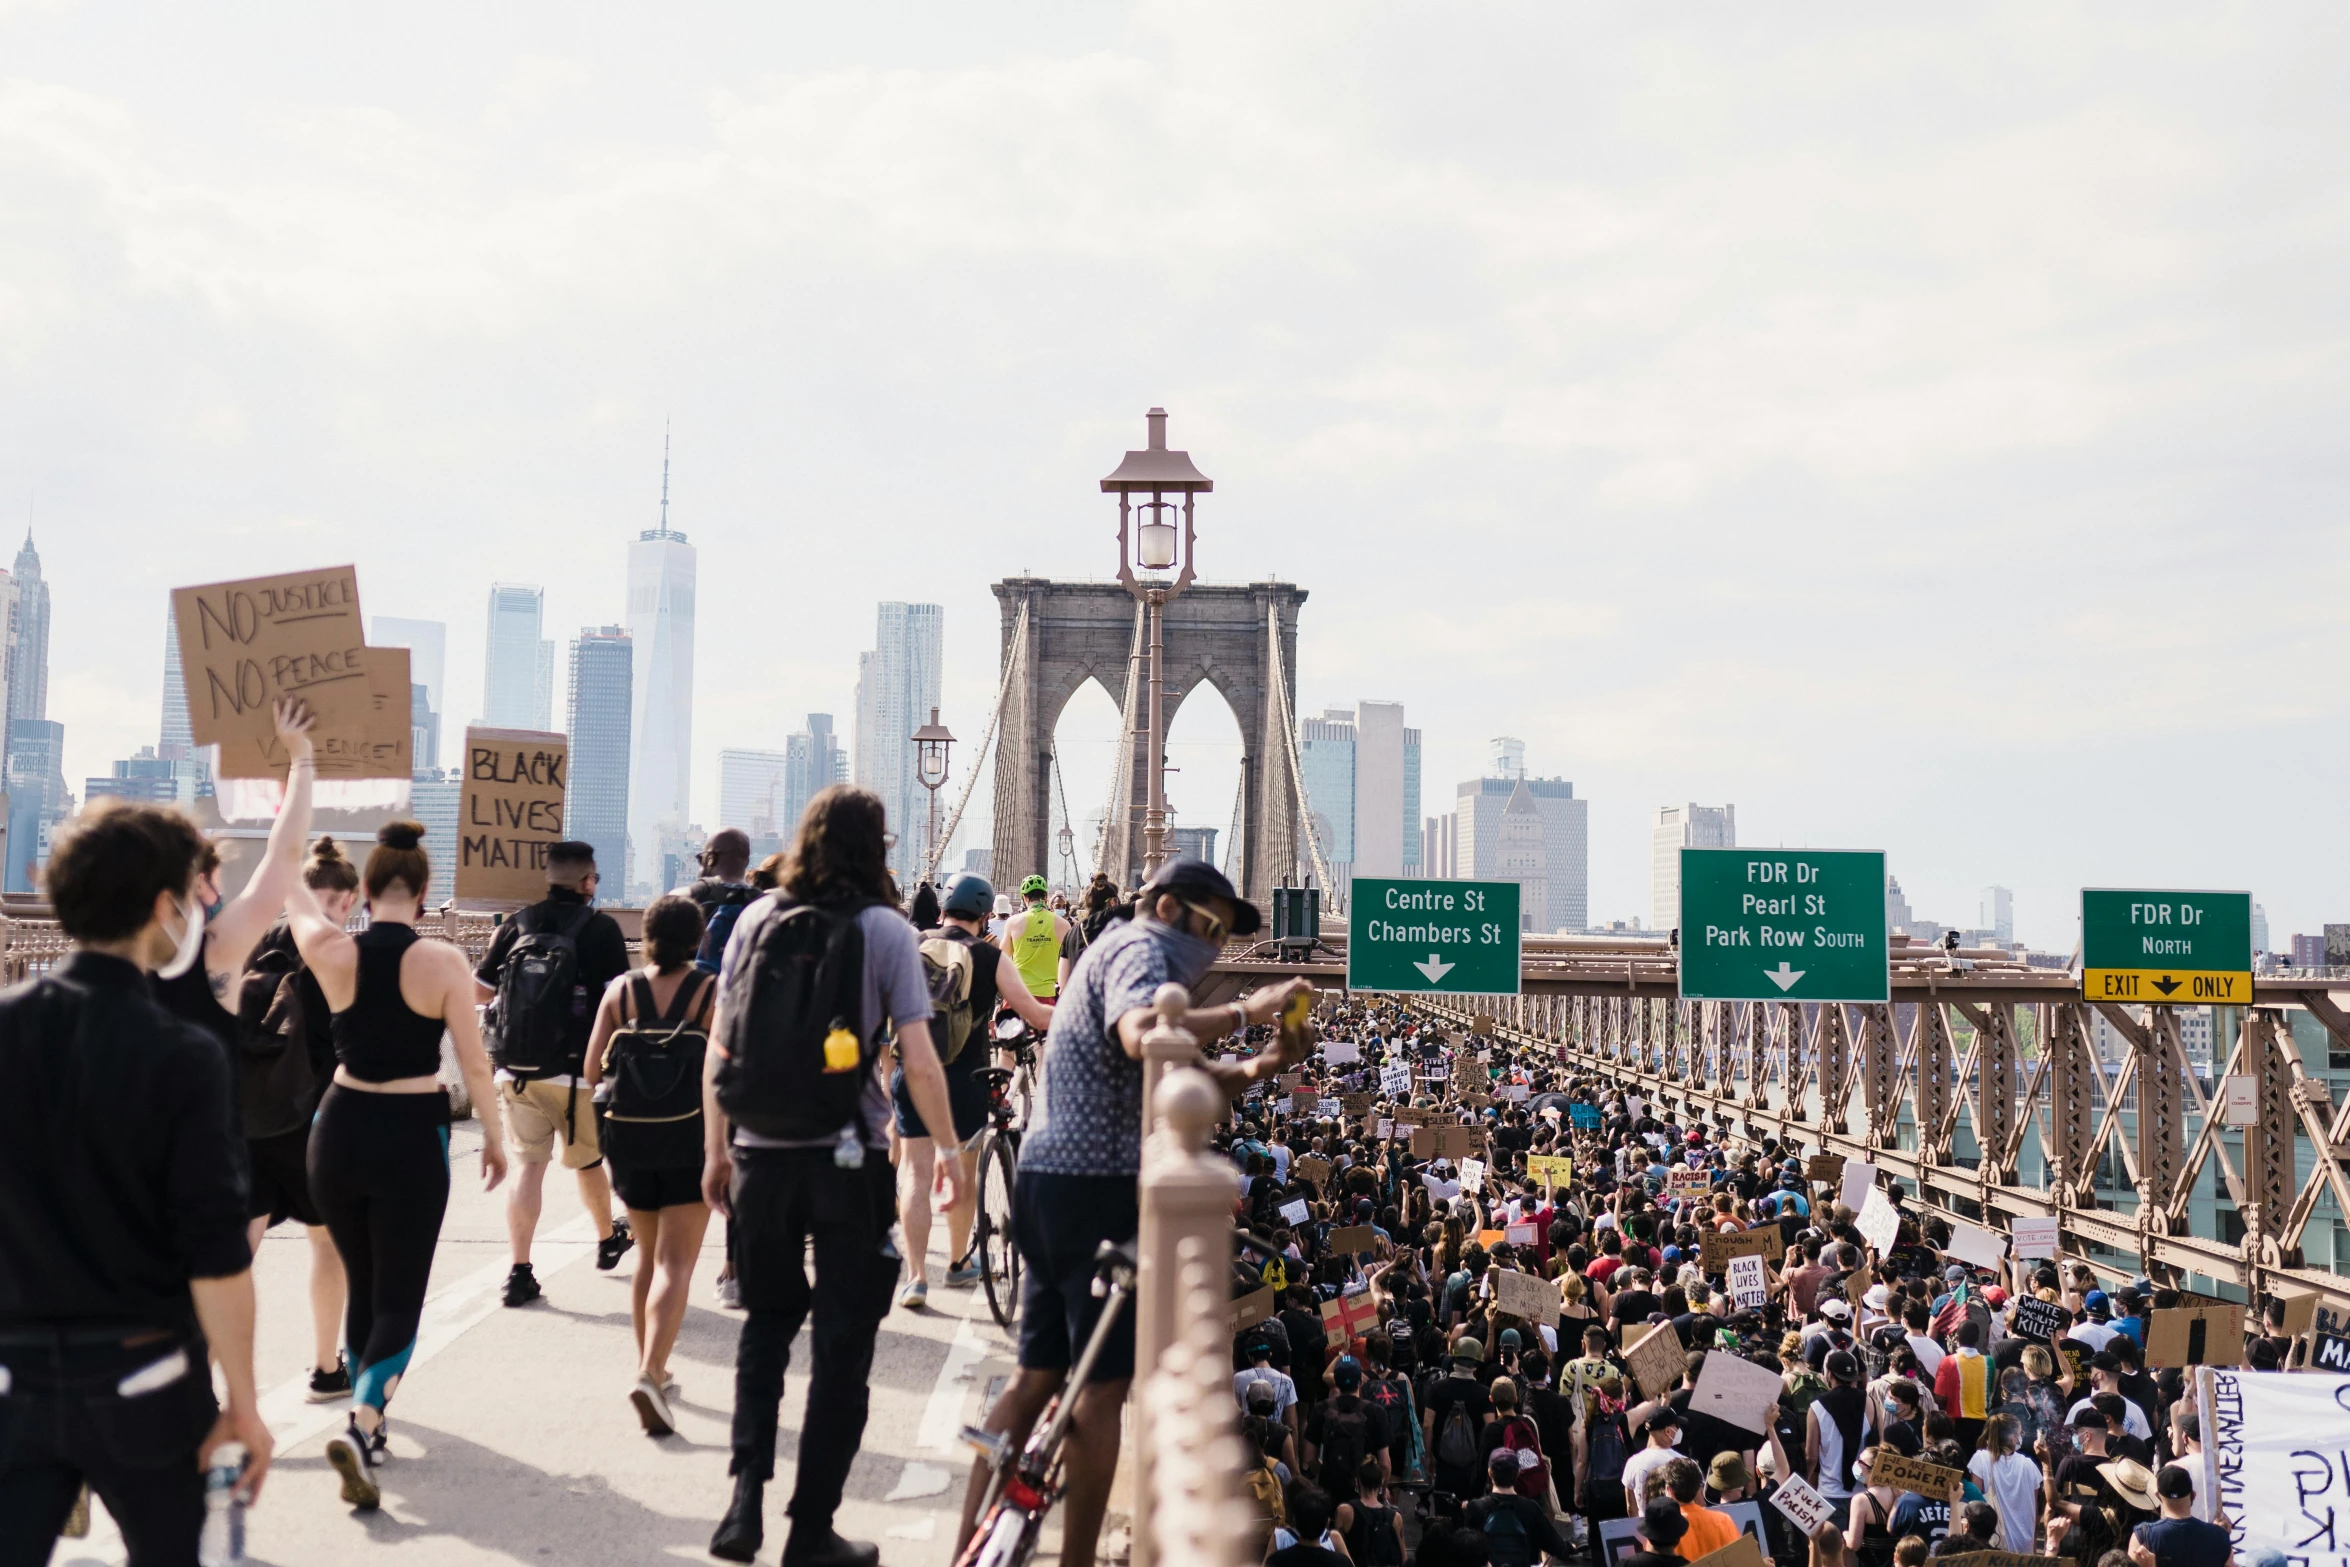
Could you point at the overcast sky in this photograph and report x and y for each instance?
(1925, 431)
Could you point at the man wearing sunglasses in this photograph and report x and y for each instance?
(1081, 1159)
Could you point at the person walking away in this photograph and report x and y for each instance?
(541, 974)
(379, 1149)
(123, 1258)
(1373, 1530)
(1517, 1529)
(722, 893)
(1076, 1186)
(2178, 1538)
(1033, 937)
(645, 1061)
(967, 976)
(229, 995)
(795, 1139)
(2010, 1481)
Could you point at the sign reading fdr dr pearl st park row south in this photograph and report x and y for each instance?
(1783, 925)
(2190, 948)
(1455, 938)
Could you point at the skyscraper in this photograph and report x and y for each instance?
(178, 740)
(1996, 915)
(1679, 827)
(661, 617)
(518, 680)
(814, 761)
(28, 641)
(1383, 818)
(1326, 749)
(753, 789)
(897, 686)
(36, 795)
(595, 807)
(1414, 846)
(1498, 823)
(427, 642)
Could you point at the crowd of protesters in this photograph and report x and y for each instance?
(1394, 1408)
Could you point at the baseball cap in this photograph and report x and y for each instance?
(1348, 1373)
(2095, 1301)
(1261, 1398)
(2174, 1483)
(1504, 1465)
(1659, 1418)
(1834, 1310)
(1954, 1274)
(1197, 879)
(1995, 1296)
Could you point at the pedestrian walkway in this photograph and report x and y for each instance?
(513, 1440)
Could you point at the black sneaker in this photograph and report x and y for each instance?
(522, 1286)
(613, 1247)
(740, 1532)
(354, 1456)
(327, 1386)
(824, 1547)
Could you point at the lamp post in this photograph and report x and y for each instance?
(1159, 474)
(931, 743)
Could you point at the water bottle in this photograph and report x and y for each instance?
(222, 1542)
(849, 1152)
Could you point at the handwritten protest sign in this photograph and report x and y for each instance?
(382, 745)
(1879, 1222)
(1524, 1295)
(1805, 1508)
(1354, 1104)
(1252, 1308)
(1414, 1115)
(1353, 1239)
(1342, 1052)
(1745, 1551)
(1657, 1360)
(1931, 1481)
(1719, 1248)
(1858, 1178)
(2196, 1336)
(1585, 1117)
(1976, 1246)
(2035, 1237)
(1999, 1559)
(1519, 1232)
(1749, 1286)
(1825, 1169)
(510, 815)
(1328, 1106)
(1473, 1175)
(244, 644)
(1395, 1081)
(2040, 1319)
(1295, 1212)
(1737, 1392)
(1312, 1167)
(1680, 1181)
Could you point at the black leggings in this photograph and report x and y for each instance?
(379, 1173)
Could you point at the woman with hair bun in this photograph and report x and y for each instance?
(379, 1149)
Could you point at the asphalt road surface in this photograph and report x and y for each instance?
(512, 1437)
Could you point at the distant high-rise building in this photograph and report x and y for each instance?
(1439, 847)
(1679, 827)
(596, 803)
(2259, 929)
(815, 762)
(427, 642)
(518, 682)
(433, 799)
(1897, 915)
(661, 568)
(1995, 915)
(178, 739)
(148, 778)
(1192, 843)
(28, 640)
(37, 798)
(2309, 951)
(424, 730)
(1414, 847)
(1492, 840)
(1326, 759)
(897, 686)
(753, 789)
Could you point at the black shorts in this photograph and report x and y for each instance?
(653, 1187)
(966, 1100)
(1058, 1222)
(280, 1169)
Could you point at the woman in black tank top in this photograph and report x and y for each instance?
(379, 1149)
(994, 977)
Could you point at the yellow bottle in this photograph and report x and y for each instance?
(840, 1049)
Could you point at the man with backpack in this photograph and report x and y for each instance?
(1517, 1529)
(815, 981)
(1454, 1423)
(1347, 1429)
(544, 975)
(721, 893)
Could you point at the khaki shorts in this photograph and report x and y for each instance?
(537, 1112)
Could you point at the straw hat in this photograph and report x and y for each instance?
(2133, 1482)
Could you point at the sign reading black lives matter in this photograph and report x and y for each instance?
(511, 813)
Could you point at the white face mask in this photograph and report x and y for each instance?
(191, 945)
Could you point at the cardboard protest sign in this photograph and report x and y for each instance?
(1473, 1175)
(1824, 1169)
(1745, 1551)
(1252, 1308)
(1414, 1115)
(1291, 1082)
(382, 745)
(1805, 1508)
(1749, 1285)
(1976, 1247)
(2041, 1319)
(1327, 1106)
(1386, 1129)
(1858, 1179)
(2001, 1559)
(1931, 1481)
(1481, 1025)
(1311, 1167)
(244, 644)
(1448, 1142)
(2300, 1312)
(1737, 1392)
(1341, 1052)
(1524, 1295)
(1681, 1181)
(2196, 1336)
(1879, 1222)
(1353, 1239)
(1719, 1248)
(1350, 1314)
(1354, 1104)
(2035, 1237)
(1476, 1101)
(1295, 1212)
(510, 815)
(1657, 1360)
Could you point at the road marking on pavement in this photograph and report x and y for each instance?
(918, 1480)
(942, 1416)
(291, 1417)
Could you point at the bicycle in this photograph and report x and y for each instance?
(1020, 1492)
(998, 1165)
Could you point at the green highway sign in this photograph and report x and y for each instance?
(1783, 925)
(2184, 948)
(1456, 938)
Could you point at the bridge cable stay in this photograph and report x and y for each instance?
(1061, 793)
(994, 722)
(1117, 813)
(1232, 849)
(1297, 770)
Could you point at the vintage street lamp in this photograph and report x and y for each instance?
(1161, 476)
(931, 744)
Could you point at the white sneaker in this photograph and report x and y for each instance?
(730, 1293)
(652, 1407)
(915, 1294)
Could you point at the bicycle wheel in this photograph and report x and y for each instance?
(999, 1259)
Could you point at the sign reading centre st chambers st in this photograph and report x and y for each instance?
(1456, 938)
(2189, 948)
(1783, 925)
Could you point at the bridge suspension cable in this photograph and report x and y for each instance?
(995, 720)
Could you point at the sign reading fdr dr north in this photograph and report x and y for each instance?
(2187, 948)
(1783, 925)
(1456, 938)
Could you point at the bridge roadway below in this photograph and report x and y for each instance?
(1756, 1070)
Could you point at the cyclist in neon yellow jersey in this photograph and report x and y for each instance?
(1033, 938)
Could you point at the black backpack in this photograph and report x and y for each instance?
(276, 1088)
(1346, 1438)
(541, 997)
(721, 903)
(654, 1065)
(797, 1051)
(1508, 1543)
